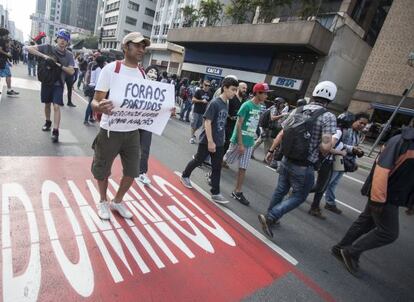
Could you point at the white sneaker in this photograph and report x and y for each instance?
(103, 210)
(193, 140)
(186, 182)
(121, 209)
(219, 199)
(144, 179)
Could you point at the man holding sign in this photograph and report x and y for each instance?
(133, 103)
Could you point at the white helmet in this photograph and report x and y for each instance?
(231, 76)
(326, 90)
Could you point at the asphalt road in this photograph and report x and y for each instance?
(387, 273)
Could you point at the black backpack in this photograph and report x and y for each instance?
(297, 135)
(264, 120)
(48, 72)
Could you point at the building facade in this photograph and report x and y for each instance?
(386, 75)
(118, 18)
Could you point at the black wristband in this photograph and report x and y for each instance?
(270, 151)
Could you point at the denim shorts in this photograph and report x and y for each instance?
(51, 94)
(5, 72)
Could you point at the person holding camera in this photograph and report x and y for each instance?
(350, 139)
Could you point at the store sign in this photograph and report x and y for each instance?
(214, 70)
(287, 83)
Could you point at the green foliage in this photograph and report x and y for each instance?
(240, 11)
(269, 8)
(211, 10)
(190, 15)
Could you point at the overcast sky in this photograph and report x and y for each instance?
(19, 12)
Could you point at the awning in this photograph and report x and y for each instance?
(391, 108)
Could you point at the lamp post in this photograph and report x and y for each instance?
(406, 93)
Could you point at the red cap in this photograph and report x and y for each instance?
(261, 87)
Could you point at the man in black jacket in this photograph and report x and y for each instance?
(392, 187)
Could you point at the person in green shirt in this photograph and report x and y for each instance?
(242, 140)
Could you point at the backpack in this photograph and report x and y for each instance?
(48, 72)
(264, 120)
(297, 135)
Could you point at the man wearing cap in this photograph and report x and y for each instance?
(53, 93)
(242, 140)
(126, 143)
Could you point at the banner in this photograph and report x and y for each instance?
(143, 103)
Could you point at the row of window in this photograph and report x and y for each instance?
(155, 40)
(111, 20)
(165, 28)
(113, 6)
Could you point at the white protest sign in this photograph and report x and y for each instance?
(143, 104)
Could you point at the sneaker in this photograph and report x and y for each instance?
(333, 208)
(351, 263)
(103, 210)
(240, 197)
(187, 121)
(266, 225)
(92, 120)
(219, 199)
(144, 179)
(186, 182)
(47, 125)
(121, 209)
(86, 123)
(71, 105)
(274, 165)
(316, 212)
(193, 140)
(55, 135)
(12, 92)
(336, 251)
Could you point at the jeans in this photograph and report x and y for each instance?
(185, 109)
(88, 112)
(31, 65)
(216, 160)
(372, 230)
(324, 176)
(145, 138)
(300, 179)
(330, 190)
(80, 79)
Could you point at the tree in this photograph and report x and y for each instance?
(190, 15)
(310, 8)
(269, 8)
(211, 10)
(240, 11)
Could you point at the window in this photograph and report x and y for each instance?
(156, 30)
(133, 6)
(112, 6)
(126, 32)
(176, 25)
(165, 29)
(157, 16)
(131, 21)
(163, 41)
(149, 12)
(146, 26)
(154, 40)
(108, 33)
(111, 20)
(162, 3)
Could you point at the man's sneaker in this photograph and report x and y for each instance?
(316, 212)
(186, 182)
(103, 210)
(47, 125)
(71, 105)
(92, 120)
(193, 140)
(121, 209)
(240, 198)
(351, 263)
(144, 179)
(266, 225)
(333, 208)
(55, 135)
(336, 251)
(12, 92)
(219, 199)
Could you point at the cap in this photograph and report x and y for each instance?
(261, 87)
(136, 37)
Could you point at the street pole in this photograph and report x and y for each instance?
(407, 92)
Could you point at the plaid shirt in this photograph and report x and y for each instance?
(324, 124)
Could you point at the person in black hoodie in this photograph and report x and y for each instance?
(389, 187)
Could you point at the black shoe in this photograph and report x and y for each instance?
(55, 135)
(240, 197)
(266, 225)
(47, 125)
(333, 208)
(316, 212)
(71, 105)
(12, 92)
(92, 120)
(336, 251)
(351, 263)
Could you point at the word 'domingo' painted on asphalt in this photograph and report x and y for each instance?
(158, 230)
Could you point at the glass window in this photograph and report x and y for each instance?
(165, 29)
(134, 6)
(149, 12)
(131, 21)
(156, 30)
(146, 26)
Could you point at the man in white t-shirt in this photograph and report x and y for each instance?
(126, 142)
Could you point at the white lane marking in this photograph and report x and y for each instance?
(247, 226)
(81, 97)
(270, 168)
(354, 179)
(26, 84)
